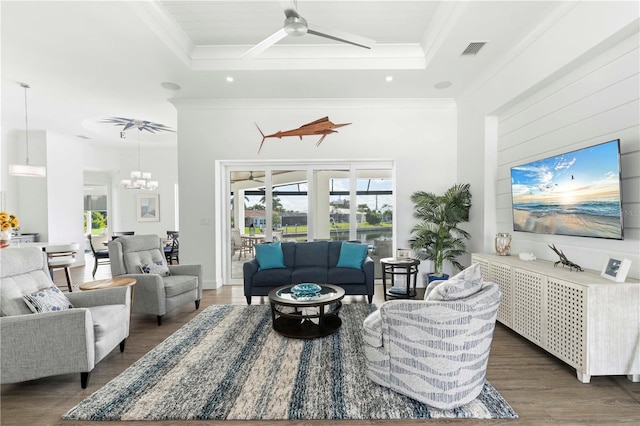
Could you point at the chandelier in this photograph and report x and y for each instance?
(139, 179)
(26, 169)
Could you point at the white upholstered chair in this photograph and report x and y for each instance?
(55, 340)
(435, 350)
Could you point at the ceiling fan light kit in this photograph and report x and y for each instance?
(296, 26)
(26, 169)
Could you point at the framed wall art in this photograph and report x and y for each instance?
(148, 208)
(616, 269)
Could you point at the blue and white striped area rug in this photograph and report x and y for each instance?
(228, 364)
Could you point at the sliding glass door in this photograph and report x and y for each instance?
(305, 202)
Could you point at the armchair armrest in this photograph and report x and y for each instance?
(195, 270)
(38, 345)
(107, 296)
(150, 295)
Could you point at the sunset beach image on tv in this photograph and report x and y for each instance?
(576, 193)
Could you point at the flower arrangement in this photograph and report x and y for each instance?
(8, 221)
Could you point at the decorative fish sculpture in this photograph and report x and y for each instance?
(321, 126)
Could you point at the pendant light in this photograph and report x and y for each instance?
(26, 169)
(139, 179)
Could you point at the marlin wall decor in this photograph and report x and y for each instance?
(321, 126)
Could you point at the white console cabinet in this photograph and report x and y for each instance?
(587, 321)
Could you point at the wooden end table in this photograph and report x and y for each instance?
(111, 283)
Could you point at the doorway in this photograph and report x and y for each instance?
(304, 202)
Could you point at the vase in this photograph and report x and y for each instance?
(503, 244)
(5, 238)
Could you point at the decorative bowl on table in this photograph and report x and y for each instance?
(305, 289)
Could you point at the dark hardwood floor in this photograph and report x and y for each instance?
(542, 389)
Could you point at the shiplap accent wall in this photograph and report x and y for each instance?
(597, 102)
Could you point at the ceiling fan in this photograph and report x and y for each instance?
(296, 26)
(252, 178)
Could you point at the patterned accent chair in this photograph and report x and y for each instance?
(55, 338)
(161, 287)
(435, 350)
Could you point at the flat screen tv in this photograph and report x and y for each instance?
(576, 193)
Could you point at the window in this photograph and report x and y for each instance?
(306, 202)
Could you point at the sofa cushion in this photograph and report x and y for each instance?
(178, 284)
(47, 300)
(345, 276)
(334, 253)
(464, 284)
(314, 253)
(269, 255)
(352, 255)
(289, 253)
(133, 260)
(272, 277)
(23, 271)
(309, 274)
(159, 268)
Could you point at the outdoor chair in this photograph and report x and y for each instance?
(243, 246)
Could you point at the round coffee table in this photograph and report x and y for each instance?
(306, 317)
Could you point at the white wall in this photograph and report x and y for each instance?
(53, 206)
(596, 103)
(64, 192)
(160, 161)
(574, 85)
(419, 135)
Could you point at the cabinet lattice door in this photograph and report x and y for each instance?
(501, 275)
(566, 321)
(528, 303)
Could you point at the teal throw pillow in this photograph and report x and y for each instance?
(269, 255)
(352, 255)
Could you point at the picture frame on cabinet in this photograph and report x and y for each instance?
(616, 269)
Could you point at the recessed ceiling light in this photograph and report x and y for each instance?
(230, 79)
(442, 84)
(170, 85)
(389, 78)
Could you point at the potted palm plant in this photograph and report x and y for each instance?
(437, 236)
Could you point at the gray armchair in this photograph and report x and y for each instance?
(434, 351)
(35, 345)
(154, 293)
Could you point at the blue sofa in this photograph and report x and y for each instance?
(309, 262)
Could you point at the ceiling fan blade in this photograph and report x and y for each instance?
(289, 8)
(342, 36)
(264, 44)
